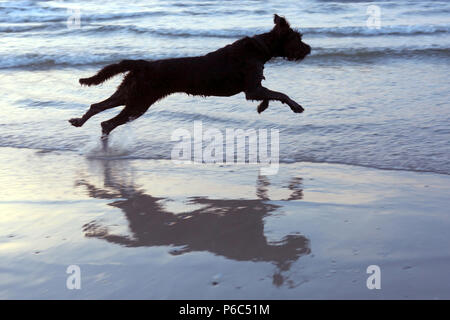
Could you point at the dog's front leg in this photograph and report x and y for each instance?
(262, 93)
(263, 106)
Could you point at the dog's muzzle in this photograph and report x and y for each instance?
(304, 52)
(308, 50)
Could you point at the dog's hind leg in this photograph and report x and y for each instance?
(129, 113)
(115, 100)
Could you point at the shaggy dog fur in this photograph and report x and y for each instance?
(235, 68)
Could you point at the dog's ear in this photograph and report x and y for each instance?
(280, 21)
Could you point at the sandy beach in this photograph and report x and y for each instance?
(150, 229)
(358, 208)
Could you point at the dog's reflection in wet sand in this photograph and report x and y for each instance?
(230, 228)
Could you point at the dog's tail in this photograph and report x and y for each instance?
(112, 70)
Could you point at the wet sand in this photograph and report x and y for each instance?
(150, 229)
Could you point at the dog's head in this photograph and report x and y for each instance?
(289, 44)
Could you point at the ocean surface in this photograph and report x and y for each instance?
(376, 97)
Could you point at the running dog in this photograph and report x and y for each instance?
(235, 68)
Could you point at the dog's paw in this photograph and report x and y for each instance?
(76, 122)
(296, 107)
(263, 106)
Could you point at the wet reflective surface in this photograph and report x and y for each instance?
(232, 228)
(151, 229)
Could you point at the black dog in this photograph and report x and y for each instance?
(235, 68)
